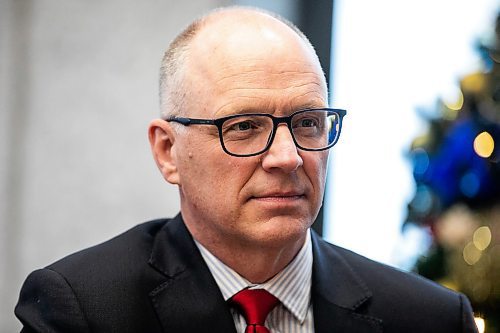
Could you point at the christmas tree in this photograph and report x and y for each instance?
(456, 167)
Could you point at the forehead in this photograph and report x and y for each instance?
(259, 63)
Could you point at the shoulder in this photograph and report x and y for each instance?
(111, 280)
(377, 276)
(400, 299)
(394, 282)
(123, 250)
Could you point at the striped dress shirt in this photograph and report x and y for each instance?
(292, 286)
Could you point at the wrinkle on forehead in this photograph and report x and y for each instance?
(260, 103)
(268, 79)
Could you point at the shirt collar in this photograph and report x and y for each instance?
(292, 286)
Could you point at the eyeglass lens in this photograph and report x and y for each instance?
(250, 134)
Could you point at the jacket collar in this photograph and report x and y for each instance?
(340, 297)
(189, 299)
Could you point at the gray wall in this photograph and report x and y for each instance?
(78, 87)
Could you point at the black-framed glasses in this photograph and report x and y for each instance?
(252, 134)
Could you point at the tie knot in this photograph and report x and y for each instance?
(255, 305)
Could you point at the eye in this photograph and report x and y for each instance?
(242, 126)
(308, 122)
(247, 124)
(245, 127)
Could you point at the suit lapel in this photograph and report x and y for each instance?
(189, 299)
(340, 298)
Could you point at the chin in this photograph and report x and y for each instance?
(282, 229)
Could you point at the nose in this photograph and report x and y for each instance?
(283, 153)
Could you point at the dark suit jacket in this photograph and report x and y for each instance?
(152, 278)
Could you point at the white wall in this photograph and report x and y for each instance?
(78, 87)
(390, 58)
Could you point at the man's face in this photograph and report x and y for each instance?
(264, 200)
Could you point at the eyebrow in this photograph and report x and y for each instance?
(311, 106)
(253, 109)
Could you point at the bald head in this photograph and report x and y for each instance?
(242, 66)
(228, 37)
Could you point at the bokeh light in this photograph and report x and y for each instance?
(480, 324)
(484, 144)
(420, 161)
(452, 104)
(471, 254)
(482, 238)
(470, 184)
(455, 104)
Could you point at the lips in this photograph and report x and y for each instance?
(279, 196)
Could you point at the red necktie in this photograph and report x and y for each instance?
(255, 305)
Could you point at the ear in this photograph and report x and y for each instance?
(162, 139)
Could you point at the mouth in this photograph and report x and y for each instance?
(279, 197)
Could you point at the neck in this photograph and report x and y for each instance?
(257, 263)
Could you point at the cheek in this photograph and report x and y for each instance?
(213, 174)
(316, 168)
(323, 168)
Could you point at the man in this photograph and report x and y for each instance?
(244, 134)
